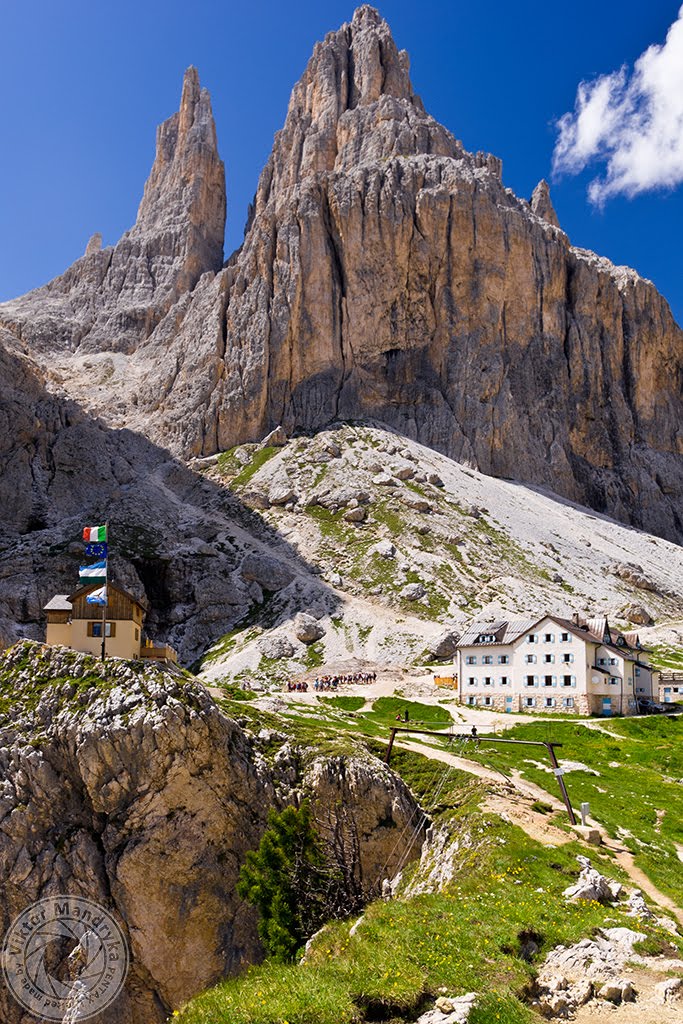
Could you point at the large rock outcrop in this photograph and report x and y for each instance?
(143, 797)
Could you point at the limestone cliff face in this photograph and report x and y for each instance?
(385, 273)
(142, 796)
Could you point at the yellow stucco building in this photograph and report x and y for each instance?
(72, 622)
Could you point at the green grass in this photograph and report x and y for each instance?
(469, 937)
(667, 657)
(345, 703)
(637, 790)
(385, 709)
(260, 457)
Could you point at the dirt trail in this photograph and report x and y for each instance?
(515, 807)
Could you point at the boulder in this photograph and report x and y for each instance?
(669, 991)
(355, 515)
(413, 592)
(275, 647)
(277, 438)
(414, 501)
(637, 614)
(307, 628)
(435, 479)
(268, 572)
(383, 548)
(384, 480)
(450, 1010)
(444, 645)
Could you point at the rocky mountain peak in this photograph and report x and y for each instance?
(186, 187)
(353, 105)
(542, 205)
(113, 298)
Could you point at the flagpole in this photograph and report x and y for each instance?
(106, 592)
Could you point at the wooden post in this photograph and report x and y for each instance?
(550, 747)
(390, 747)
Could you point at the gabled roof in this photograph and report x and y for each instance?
(82, 591)
(58, 603)
(504, 631)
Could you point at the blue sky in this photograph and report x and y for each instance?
(84, 84)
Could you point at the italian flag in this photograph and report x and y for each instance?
(94, 533)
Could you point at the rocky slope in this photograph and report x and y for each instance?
(385, 273)
(411, 545)
(131, 788)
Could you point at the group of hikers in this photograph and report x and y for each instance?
(332, 682)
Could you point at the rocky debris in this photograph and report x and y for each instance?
(637, 907)
(384, 480)
(450, 1010)
(413, 592)
(138, 770)
(572, 976)
(308, 629)
(444, 645)
(267, 571)
(355, 515)
(277, 438)
(403, 472)
(276, 646)
(384, 548)
(637, 614)
(669, 991)
(541, 203)
(635, 575)
(414, 501)
(591, 885)
(281, 493)
(618, 991)
(434, 479)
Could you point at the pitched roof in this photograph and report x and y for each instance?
(504, 631)
(111, 586)
(58, 603)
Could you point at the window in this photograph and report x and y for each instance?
(504, 680)
(487, 701)
(530, 680)
(95, 629)
(637, 671)
(548, 658)
(530, 659)
(503, 659)
(137, 634)
(568, 702)
(600, 661)
(471, 699)
(567, 658)
(566, 680)
(530, 702)
(486, 638)
(565, 637)
(613, 661)
(532, 638)
(547, 680)
(549, 638)
(613, 680)
(550, 702)
(472, 681)
(487, 659)
(488, 680)
(471, 659)
(640, 689)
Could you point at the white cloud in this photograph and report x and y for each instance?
(632, 122)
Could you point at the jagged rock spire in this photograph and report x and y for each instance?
(542, 204)
(354, 103)
(185, 191)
